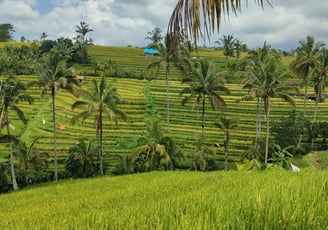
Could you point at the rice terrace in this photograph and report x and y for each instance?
(166, 136)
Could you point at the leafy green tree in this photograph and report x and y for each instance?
(103, 100)
(29, 157)
(54, 74)
(201, 18)
(84, 153)
(6, 32)
(205, 83)
(10, 95)
(155, 36)
(226, 125)
(288, 129)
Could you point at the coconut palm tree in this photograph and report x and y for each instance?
(30, 157)
(201, 18)
(82, 30)
(54, 74)
(269, 84)
(10, 95)
(226, 125)
(205, 83)
(167, 57)
(307, 55)
(84, 152)
(228, 43)
(100, 99)
(250, 78)
(319, 73)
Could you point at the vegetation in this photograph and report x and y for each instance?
(174, 200)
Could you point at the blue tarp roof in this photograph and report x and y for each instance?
(150, 51)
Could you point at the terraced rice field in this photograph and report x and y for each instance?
(185, 120)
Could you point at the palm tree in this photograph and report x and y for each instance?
(307, 55)
(319, 73)
(204, 83)
(82, 30)
(251, 77)
(54, 74)
(269, 84)
(100, 99)
(201, 18)
(84, 152)
(30, 157)
(166, 57)
(10, 95)
(152, 145)
(226, 124)
(228, 43)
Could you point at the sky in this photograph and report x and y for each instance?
(126, 22)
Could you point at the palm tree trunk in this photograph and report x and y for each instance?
(12, 167)
(267, 113)
(257, 122)
(304, 108)
(101, 158)
(226, 153)
(55, 133)
(203, 116)
(315, 117)
(167, 99)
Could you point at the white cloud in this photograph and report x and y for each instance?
(21, 10)
(123, 22)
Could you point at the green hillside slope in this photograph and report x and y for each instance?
(185, 120)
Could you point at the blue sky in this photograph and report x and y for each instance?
(126, 22)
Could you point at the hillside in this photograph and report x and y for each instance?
(185, 120)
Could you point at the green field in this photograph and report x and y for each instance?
(185, 121)
(276, 199)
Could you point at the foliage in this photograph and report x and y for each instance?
(154, 36)
(103, 100)
(4, 179)
(6, 32)
(18, 60)
(282, 157)
(287, 131)
(81, 159)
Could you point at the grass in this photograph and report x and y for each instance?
(274, 199)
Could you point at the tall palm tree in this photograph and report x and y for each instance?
(307, 55)
(226, 125)
(82, 30)
(100, 99)
(54, 74)
(250, 78)
(167, 57)
(10, 95)
(201, 18)
(205, 83)
(319, 73)
(269, 84)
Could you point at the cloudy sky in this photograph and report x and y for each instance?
(126, 22)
